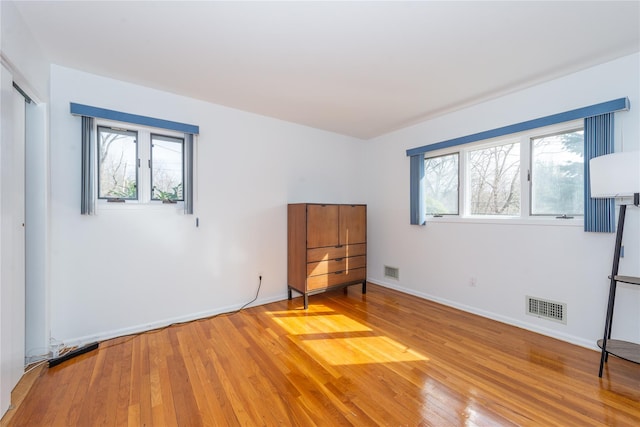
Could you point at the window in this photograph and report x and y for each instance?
(557, 174)
(174, 181)
(442, 184)
(494, 180)
(534, 173)
(139, 164)
(117, 164)
(167, 159)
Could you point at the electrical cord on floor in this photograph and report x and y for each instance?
(255, 298)
(162, 328)
(45, 358)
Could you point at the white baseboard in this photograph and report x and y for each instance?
(115, 333)
(79, 341)
(489, 315)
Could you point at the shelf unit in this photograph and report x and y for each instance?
(622, 349)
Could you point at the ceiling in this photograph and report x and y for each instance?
(355, 68)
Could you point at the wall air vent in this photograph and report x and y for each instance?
(551, 310)
(392, 272)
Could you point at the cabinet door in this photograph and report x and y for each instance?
(322, 225)
(353, 224)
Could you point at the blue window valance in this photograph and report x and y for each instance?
(119, 116)
(579, 113)
(416, 168)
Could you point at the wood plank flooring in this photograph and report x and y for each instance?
(384, 358)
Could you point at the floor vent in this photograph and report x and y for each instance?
(551, 310)
(392, 272)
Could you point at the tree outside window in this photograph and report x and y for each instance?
(441, 184)
(557, 174)
(495, 180)
(117, 164)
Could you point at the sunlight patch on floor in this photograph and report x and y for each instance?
(314, 327)
(361, 350)
(324, 324)
(313, 309)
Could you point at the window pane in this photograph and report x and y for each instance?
(557, 174)
(441, 185)
(166, 168)
(117, 164)
(494, 177)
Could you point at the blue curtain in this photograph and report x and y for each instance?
(188, 174)
(416, 170)
(599, 214)
(86, 189)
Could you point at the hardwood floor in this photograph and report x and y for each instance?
(20, 391)
(384, 358)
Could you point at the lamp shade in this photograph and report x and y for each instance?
(615, 175)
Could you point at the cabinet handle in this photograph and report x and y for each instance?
(339, 259)
(338, 272)
(339, 246)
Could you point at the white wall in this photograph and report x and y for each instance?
(560, 263)
(22, 54)
(129, 269)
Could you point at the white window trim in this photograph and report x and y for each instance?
(525, 217)
(144, 201)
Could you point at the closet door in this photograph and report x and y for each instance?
(12, 239)
(353, 224)
(322, 225)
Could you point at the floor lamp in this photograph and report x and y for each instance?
(616, 175)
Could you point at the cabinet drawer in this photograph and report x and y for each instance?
(332, 252)
(337, 278)
(333, 265)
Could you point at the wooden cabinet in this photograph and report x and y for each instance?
(327, 247)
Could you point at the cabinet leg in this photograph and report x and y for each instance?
(289, 292)
(364, 287)
(306, 301)
(345, 290)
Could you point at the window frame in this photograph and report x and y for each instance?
(531, 175)
(497, 142)
(457, 154)
(181, 142)
(524, 217)
(143, 147)
(120, 130)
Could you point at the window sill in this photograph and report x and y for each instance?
(535, 221)
(131, 205)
